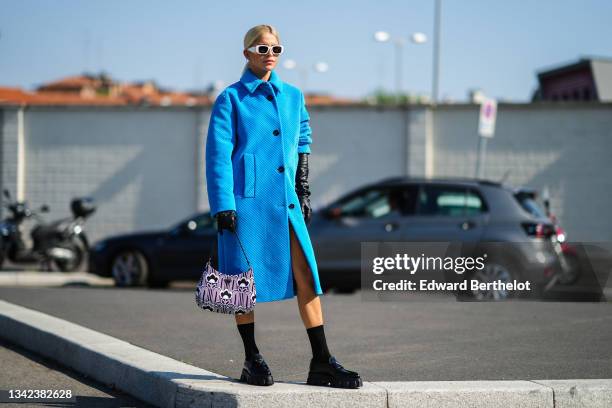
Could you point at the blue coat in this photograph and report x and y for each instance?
(256, 130)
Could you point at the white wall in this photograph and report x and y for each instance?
(351, 147)
(145, 166)
(140, 166)
(8, 151)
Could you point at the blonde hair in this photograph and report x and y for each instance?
(253, 35)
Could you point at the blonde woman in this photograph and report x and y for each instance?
(257, 180)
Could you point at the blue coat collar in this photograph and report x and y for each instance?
(251, 82)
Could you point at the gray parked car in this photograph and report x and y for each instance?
(484, 216)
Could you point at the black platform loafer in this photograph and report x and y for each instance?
(332, 374)
(256, 371)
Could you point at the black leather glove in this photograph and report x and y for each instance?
(226, 220)
(301, 186)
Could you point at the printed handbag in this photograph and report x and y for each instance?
(223, 293)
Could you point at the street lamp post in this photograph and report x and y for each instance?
(303, 71)
(399, 51)
(436, 53)
(399, 42)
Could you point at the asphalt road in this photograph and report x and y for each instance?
(24, 370)
(431, 338)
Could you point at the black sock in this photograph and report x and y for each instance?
(316, 335)
(247, 332)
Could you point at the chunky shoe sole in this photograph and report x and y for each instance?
(331, 381)
(255, 380)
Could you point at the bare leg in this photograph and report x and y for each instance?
(245, 318)
(321, 370)
(309, 302)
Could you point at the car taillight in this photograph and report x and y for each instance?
(561, 236)
(538, 230)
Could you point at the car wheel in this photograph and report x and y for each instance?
(129, 268)
(495, 271)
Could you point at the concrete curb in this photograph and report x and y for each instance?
(165, 382)
(34, 278)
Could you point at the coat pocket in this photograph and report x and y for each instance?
(249, 175)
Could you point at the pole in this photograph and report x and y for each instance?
(398, 66)
(381, 73)
(480, 160)
(436, 52)
(304, 78)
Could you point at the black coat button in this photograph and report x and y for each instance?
(281, 169)
(291, 205)
(276, 132)
(270, 97)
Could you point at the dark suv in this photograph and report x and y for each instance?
(484, 216)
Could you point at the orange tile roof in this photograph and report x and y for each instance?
(133, 97)
(102, 90)
(99, 90)
(328, 100)
(76, 82)
(16, 95)
(9, 94)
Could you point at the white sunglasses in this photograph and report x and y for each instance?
(263, 49)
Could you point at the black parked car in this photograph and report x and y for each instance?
(156, 258)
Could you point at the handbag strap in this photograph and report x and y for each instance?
(241, 247)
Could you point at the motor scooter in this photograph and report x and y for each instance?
(62, 243)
